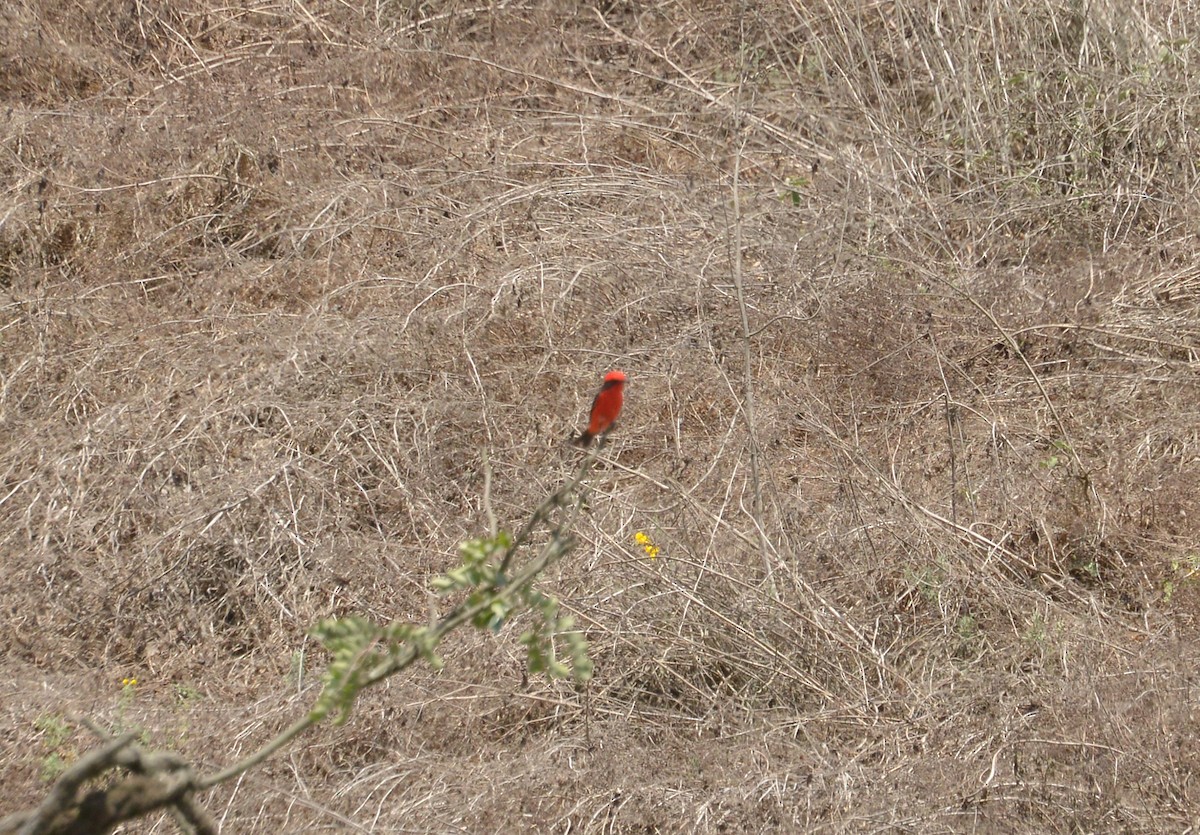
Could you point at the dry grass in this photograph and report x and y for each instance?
(271, 277)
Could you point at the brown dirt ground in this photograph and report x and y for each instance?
(907, 296)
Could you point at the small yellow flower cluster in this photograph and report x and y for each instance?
(129, 682)
(647, 544)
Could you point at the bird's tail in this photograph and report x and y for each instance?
(584, 438)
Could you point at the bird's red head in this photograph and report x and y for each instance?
(615, 376)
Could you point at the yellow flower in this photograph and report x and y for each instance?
(647, 544)
(129, 682)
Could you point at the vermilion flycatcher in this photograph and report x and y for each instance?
(605, 407)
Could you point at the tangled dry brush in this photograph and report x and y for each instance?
(906, 293)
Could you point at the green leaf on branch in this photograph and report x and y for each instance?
(477, 568)
(494, 611)
(424, 642)
(351, 642)
(360, 648)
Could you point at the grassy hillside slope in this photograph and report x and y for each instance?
(908, 300)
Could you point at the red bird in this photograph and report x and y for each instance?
(605, 407)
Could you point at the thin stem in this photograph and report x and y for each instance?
(764, 543)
